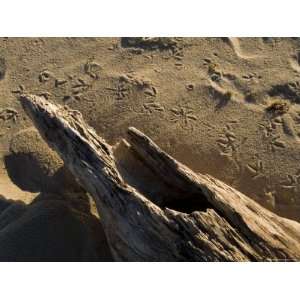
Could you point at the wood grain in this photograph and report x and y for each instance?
(197, 217)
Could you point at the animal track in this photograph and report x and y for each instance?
(150, 91)
(292, 181)
(60, 82)
(228, 142)
(183, 115)
(291, 184)
(229, 145)
(80, 86)
(92, 69)
(276, 143)
(147, 108)
(152, 107)
(73, 89)
(7, 114)
(19, 90)
(139, 92)
(139, 84)
(271, 134)
(45, 76)
(268, 129)
(256, 170)
(177, 53)
(251, 76)
(121, 90)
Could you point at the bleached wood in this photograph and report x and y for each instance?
(214, 222)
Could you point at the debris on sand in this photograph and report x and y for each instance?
(278, 107)
(149, 43)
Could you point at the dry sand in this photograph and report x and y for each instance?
(229, 107)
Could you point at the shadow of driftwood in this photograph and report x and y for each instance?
(49, 230)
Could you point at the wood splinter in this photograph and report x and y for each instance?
(153, 208)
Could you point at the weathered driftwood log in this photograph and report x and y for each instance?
(154, 208)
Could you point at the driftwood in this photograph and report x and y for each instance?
(153, 208)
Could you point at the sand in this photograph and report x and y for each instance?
(228, 107)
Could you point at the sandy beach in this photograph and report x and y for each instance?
(228, 107)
